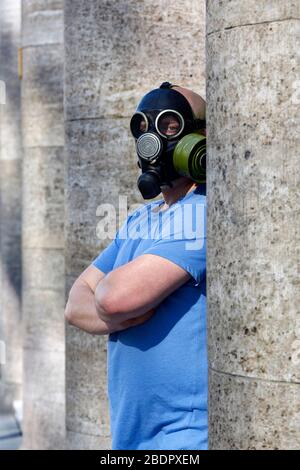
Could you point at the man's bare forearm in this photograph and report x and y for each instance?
(114, 318)
(81, 311)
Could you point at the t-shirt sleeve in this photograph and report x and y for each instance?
(106, 259)
(188, 252)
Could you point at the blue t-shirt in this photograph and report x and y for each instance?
(157, 371)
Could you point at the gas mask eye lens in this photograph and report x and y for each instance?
(169, 124)
(138, 124)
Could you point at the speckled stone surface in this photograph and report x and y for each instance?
(78, 441)
(115, 52)
(227, 14)
(43, 225)
(10, 205)
(253, 210)
(253, 414)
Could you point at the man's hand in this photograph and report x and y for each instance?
(138, 320)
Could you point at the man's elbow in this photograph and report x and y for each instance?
(107, 304)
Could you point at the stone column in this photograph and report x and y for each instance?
(10, 203)
(115, 51)
(253, 59)
(43, 224)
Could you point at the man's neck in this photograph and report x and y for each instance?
(180, 188)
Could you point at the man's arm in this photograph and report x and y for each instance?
(81, 309)
(133, 289)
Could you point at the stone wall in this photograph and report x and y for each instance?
(253, 59)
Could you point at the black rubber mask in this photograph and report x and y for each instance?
(161, 119)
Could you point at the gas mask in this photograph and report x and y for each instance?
(167, 145)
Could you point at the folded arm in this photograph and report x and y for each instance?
(133, 289)
(81, 308)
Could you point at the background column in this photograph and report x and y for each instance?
(115, 51)
(10, 204)
(43, 224)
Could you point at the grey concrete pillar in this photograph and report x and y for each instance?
(43, 224)
(253, 59)
(115, 51)
(10, 203)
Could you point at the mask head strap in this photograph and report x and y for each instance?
(167, 85)
(200, 123)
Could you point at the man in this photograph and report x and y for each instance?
(147, 289)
